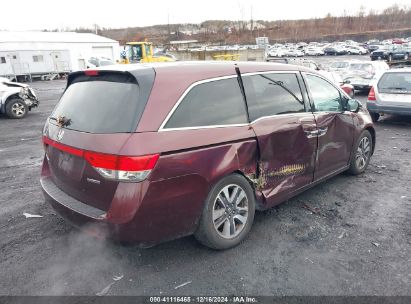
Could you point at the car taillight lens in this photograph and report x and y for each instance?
(124, 168)
(371, 95)
(115, 167)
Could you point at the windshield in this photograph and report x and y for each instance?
(99, 107)
(395, 82)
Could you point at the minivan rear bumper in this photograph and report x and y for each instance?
(141, 213)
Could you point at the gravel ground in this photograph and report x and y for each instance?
(354, 238)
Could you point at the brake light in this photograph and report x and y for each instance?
(115, 167)
(91, 72)
(371, 95)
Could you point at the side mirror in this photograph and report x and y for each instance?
(347, 81)
(353, 105)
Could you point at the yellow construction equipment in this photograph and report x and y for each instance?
(139, 52)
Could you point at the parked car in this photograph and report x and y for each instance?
(355, 50)
(203, 157)
(373, 47)
(314, 51)
(390, 94)
(330, 75)
(334, 51)
(385, 52)
(293, 53)
(398, 41)
(402, 52)
(16, 99)
(361, 74)
(276, 52)
(339, 67)
(94, 62)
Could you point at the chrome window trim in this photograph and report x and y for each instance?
(173, 109)
(193, 85)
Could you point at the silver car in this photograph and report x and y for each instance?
(390, 94)
(16, 99)
(362, 73)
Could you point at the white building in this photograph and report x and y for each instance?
(39, 53)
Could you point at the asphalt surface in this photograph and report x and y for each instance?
(347, 236)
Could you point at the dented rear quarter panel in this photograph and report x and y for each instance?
(178, 186)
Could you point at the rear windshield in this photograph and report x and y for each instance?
(394, 82)
(361, 67)
(100, 107)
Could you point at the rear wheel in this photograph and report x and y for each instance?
(375, 116)
(228, 213)
(16, 108)
(362, 154)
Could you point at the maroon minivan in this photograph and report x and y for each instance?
(152, 152)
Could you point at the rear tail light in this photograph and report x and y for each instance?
(124, 168)
(371, 95)
(114, 167)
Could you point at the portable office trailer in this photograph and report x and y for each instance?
(34, 62)
(39, 53)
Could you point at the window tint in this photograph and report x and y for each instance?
(271, 94)
(325, 96)
(100, 106)
(213, 103)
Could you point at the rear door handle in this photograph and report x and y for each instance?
(314, 133)
(311, 134)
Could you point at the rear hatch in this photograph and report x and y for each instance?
(84, 135)
(394, 89)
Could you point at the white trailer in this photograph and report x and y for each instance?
(42, 53)
(32, 63)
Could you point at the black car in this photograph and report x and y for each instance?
(373, 47)
(391, 52)
(334, 51)
(401, 53)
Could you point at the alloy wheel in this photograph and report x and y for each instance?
(18, 109)
(230, 211)
(363, 153)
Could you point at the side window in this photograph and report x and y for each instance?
(38, 58)
(217, 102)
(2, 59)
(326, 98)
(272, 94)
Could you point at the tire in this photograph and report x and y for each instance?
(362, 154)
(374, 116)
(219, 227)
(16, 108)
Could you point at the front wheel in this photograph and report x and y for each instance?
(228, 213)
(16, 108)
(362, 154)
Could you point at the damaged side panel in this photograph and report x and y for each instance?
(286, 157)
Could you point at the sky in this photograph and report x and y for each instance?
(59, 14)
